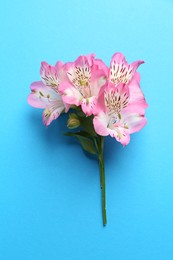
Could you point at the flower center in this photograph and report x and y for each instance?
(112, 120)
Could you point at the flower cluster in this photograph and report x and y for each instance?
(101, 101)
(111, 95)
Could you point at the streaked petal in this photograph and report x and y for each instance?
(49, 75)
(116, 98)
(79, 73)
(52, 75)
(120, 70)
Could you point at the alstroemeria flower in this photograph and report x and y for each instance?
(45, 93)
(85, 78)
(122, 72)
(121, 112)
(109, 101)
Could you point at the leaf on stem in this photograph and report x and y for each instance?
(85, 141)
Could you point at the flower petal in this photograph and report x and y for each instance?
(70, 94)
(116, 98)
(79, 72)
(136, 94)
(120, 134)
(49, 75)
(103, 126)
(134, 119)
(120, 70)
(52, 113)
(41, 95)
(52, 75)
(60, 68)
(88, 105)
(100, 124)
(100, 65)
(98, 80)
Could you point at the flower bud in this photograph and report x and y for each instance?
(73, 121)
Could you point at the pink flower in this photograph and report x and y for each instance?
(122, 72)
(121, 111)
(85, 78)
(45, 93)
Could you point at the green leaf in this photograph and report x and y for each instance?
(87, 124)
(85, 141)
(81, 113)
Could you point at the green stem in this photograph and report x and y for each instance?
(102, 177)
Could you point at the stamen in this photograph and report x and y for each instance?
(41, 94)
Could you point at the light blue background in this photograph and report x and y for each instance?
(50, 205)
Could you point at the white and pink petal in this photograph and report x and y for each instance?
(120, 134)
(100, 123)
(52, 75)
(104, 125)
(88, 105)
(121, 71)
(134, 119)
(70, 94)
(79, 72)
(53, 112)
(41, 95)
